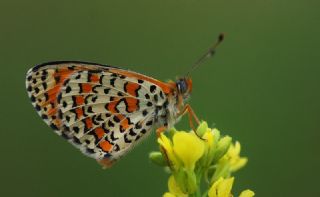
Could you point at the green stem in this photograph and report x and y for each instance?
(205, 194)
(199, 176)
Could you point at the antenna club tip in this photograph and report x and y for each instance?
(221, 37)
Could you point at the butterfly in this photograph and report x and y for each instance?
(104, 110)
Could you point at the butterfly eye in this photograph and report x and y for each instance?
(182, 86)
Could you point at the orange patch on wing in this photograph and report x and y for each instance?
(99, 132)
(86, 88)
(94, 78)
(166, 87)
(112, 106)
(54, 90)
(88, 123)
(120, 117)
(52, 111)
(79, 100)
(105, 145)
(57, 122)
(79, 112)
(132, 104)
(52, 93)
(62, 73)
(125, 123)
(131, 88)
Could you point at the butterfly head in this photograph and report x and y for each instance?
(184, 87)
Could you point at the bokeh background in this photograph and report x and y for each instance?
(262, 88)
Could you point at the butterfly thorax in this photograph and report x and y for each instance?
(166, 114)
(169, 112)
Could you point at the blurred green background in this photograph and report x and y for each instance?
(262, 88)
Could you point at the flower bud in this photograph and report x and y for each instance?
(247, 193)
(222, 147)
(157, 158)
(202, 129)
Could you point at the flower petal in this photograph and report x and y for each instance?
(174, 188)
(221, 188)
(167, 194)
(166, 144)
(188, 148)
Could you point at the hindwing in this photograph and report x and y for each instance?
(102, 110)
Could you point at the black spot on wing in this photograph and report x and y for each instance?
(132, 133)
(44, 85)
(37, 90)
(152, 88)
(116, 119)
(57, 79)
(43, 77)
(76, 140)
(155, 97)
(144, 112)
(112, 137)
(106, 90)
(91, 111)
(149, 123)
(138, 126)
(33, 98)
(89, 150)
(112, 81)
(110, 123)
(68, 89)
(53, 126)
(29, 77)
(126, 139)
(76, 129)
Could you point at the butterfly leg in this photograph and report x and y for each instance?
(191, 115)
(187, 109)
(160, 130)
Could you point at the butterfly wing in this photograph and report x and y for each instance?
(102, 110)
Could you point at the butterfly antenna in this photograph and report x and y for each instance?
(210, 53)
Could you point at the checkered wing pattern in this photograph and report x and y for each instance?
(102, 110)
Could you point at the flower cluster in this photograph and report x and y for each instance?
(191, 157)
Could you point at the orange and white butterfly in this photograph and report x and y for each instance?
(104, 110)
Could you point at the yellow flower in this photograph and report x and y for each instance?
(166, 145)
(233, 155)
(247, 193)
(167, 194)
(188, 148)
(210, 146)
(183, 152)
(174, 188)
(221, 188)
(191, 159)
(209, 137)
